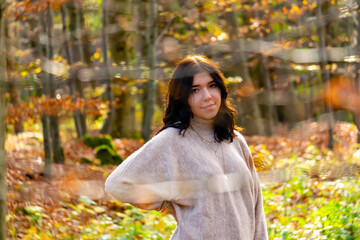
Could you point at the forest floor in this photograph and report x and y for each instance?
(27, 187)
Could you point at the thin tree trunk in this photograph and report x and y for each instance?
(58, 153)
(139, 16)
(357, 72)
(236, 44)
(151, 86)
(47, 140)
(3, 185)
(74, 28)
(121, 45)
(85, 45)
(107, 124)
(66, 41)
(269, 96)
(85, 39)
(79, 117)
(11, 83)
(15, 100)
(45, 119)
(324, 71)
(74, 81)
(268, 88)
(305, 82)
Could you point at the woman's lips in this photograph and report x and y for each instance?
(209, 106)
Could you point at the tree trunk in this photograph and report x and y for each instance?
(75, 31)
(11, 83)
(357, 74)
(79, 117)
(15, 100)
(110, 98)
(47, 143)
(121, 45)
(324, 71)
(3, 185)
(45, 119)
(52, 143)
(151, 85)
(239, 57)
(123, 124)
(269, 96)
(74, 81)
(58, 153)
(139, 14)
(44, 90)
(269, 107)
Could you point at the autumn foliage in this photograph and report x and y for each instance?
(35, 107)
(21, 9)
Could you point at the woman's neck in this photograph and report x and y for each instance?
(203, 127)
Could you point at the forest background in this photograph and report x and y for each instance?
(82, 85)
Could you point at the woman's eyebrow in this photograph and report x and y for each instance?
(213, 81)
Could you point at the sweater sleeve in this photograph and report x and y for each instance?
(260, 221)
(146, 178)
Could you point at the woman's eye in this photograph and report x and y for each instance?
(194, 90)
(213, 85)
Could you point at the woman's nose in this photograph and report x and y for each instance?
(207, 94)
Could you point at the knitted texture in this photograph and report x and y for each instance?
(211, 188)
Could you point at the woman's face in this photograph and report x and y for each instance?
(205, 96)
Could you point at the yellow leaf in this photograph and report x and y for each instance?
(32, 230)
(217, 32)
(38, 70)
(24, 73)
(96, 55)
(295, 8)
(176, 35)
(59, 58)
(44, 236)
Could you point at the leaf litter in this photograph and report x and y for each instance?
(57, 198)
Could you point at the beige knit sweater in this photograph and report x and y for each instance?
(209, 187)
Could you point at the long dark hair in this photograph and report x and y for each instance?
(178, 112)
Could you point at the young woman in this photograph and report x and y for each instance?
(198, 166)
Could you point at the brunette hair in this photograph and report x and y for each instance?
(178, 112)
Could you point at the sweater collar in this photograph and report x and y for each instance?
(203, 127)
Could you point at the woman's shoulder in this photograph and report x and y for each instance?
(239, 137)
(244, 149)
(240, 140)
(168, 132)
(166, 135)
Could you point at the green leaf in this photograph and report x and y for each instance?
(87, 201)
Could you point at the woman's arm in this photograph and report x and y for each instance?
(141, 179)
(147, 178)
(260, 220)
